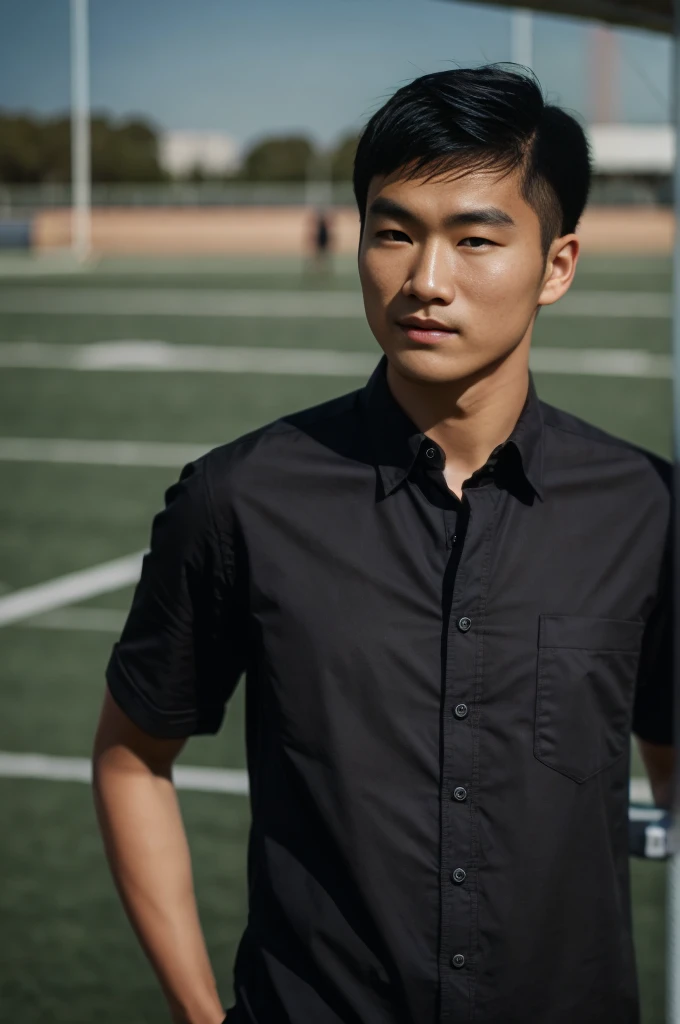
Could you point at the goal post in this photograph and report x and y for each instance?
(81, 230)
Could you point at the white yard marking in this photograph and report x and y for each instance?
(186, 302)
(79, 769)
(215, 302)
(159, 356)
(97, 620)
(624, 304)
(203, 780)
(65, 590)
(601, 362)
(99, 453)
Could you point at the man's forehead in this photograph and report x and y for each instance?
(454, 190)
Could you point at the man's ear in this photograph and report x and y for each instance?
(560, 269)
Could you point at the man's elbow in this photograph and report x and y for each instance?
(121, 747)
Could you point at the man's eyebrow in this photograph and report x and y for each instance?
(491, 216)
(382, 206)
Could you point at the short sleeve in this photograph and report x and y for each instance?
(653, 711)
(181, 651)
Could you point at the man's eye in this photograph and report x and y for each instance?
(474, 242)
(392, 235)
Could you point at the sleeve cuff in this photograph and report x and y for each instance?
(660, 732)
(145, 716)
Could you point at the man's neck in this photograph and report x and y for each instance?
(467, 418)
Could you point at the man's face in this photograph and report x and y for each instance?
(452, 271)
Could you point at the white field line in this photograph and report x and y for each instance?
(96, 620)
(640, 791)
(623, 304)
(648, 814)
(204, 780)
(159, 356)
(65, 590)
(602, 362)
(215, 302)
(99, 453)
(61, 263)
(79, 769)
(187, 302)
(615, 266)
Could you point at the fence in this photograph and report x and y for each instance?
(21, 201)
(17, 202)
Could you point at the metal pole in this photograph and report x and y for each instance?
(318, 180)
(80, 132)
(673, 906)
(522, 38)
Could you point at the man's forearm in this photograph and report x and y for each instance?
(147, 849)
(659, 761)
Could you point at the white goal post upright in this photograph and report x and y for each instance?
(522, 37)
(80, 132)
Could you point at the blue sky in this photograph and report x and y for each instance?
(251, 67)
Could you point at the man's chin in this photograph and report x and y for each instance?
(431, 365)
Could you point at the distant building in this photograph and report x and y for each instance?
(632, 148)
(632, 163)
(211, 153)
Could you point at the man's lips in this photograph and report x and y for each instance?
(424, 330)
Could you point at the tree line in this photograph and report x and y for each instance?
(35, 150)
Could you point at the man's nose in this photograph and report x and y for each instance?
(431, 278)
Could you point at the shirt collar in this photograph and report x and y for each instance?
(396, 441)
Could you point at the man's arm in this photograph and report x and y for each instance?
(146, 845)
(659, 760)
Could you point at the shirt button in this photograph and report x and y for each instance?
(464, 624)
(454, 538)
(431, 452)
(460, 710)
(458, 960)
(459, 875)
(459, 793)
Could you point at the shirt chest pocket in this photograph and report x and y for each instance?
(585, 686)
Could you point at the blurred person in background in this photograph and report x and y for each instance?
(451, 602)
(320, 242)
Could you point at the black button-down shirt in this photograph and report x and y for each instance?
(439, 694)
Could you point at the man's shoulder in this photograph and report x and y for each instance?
(277, 444)
(593, 443)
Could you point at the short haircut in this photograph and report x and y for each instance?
(491, 117)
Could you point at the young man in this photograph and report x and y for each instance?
(450, 602)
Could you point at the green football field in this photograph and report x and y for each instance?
(109, 380)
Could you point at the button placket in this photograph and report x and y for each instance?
(460, 644)
(458, 884)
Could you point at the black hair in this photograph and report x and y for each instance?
(491, 117)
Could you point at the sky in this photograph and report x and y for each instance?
(250, 68)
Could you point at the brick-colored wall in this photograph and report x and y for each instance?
(286, 229)
(231, 229)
